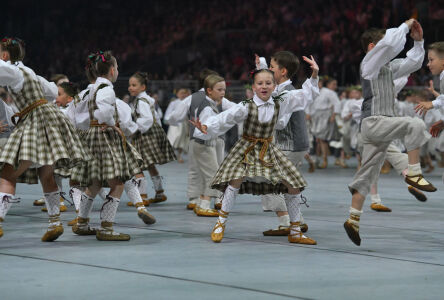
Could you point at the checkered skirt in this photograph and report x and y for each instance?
(258, 179)
(45, 137)
(111, 159)
(153, 145)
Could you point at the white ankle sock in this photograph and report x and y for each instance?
(52, 201)
(204, 204)
(414, 169)
(109, 209)
(356, 213)
(85, 206)
(284, 220)
(375, 198)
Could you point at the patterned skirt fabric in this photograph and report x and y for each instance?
(110, 159)
(45, 137)
(154, 147)
(259, 179)
(66, 172)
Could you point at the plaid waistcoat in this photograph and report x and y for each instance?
(92, 105)
(252, 126)
(32, 91)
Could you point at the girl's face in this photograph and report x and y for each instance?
(355, 94)
(263, 85)
(435, 64)
(332, 85)
(63, 98)
(182, 94)
(4, 55)
(217, 92)
(135, 87)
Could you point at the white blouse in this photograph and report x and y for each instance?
(126, 123)
(146, 119)
(439, 101)
(328, 99)
(294, 100)
(387, 49)
(105, 101)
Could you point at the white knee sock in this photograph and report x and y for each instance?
(157, 182)
(58, 180)
(132, 191)
(85, 206)
(142, 185)
(76, 194)
(228, 201)
(293, 203)
(52, 201)
(109, 209)
(6, 201)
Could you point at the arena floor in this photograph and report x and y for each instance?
(401, 256)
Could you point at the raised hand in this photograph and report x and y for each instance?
(431, 89)
(313, 65)
(436, 128)
(416, 31)
(423, 107)
(196, 123)
(257, 60)
(410, 23)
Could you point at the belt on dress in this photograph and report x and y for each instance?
(95, 123)
(254, 140)
(27, 110)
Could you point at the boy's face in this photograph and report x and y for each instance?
(280, 74)
(355, 94)
(436, 63)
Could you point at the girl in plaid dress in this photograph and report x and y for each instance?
(115, 160)
(42, 141)
(255, 165)
(150, 139)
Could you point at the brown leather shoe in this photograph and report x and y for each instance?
(201, 212)
(72, 222)
(82, 227)
(160, 197)
(414, 181)
(281, 231)
(39, 202)
(53, 233)
(218, 206)
(380, 207)
(352, 232)
(417, 194)
(146, 217)
(191, 206)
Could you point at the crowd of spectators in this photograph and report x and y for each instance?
(175, 39)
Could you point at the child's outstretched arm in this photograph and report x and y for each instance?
(260, 62)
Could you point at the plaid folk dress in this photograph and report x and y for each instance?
(255, 158)
(43, 136)
(114, 157)
(153, 145)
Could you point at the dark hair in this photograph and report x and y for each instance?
(70, 88)
(56, 77)
(371, 35)
(287, 60)
(103, 61)
(328, 79)
(15, 48)
(204, 74)
(142, 78)
(90, 71)
(256, 72)
(438, 47)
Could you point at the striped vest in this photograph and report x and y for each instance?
(379, 94)
(198, 103)
(294, 137)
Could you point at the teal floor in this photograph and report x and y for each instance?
(401, 257)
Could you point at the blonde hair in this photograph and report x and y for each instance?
(211, 81)
(438, 47)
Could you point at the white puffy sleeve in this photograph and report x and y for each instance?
(145, 119)
(405, 66)
(105, 100)
(179, 112)
(227, 104)
(50, 90)
(296, 100)
(170, 109)
(11, 76)
(128, 126)
(385, 50)
(221, 123)
(262, 64)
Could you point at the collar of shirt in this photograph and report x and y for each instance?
(143, 95)
(211, 101)
(441, 76)
(101, 80)
(280, 86)
(259, 101)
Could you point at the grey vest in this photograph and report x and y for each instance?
(294, 137)
(198, 103)
(379, 94)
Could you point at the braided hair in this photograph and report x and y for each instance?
(15, 47)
